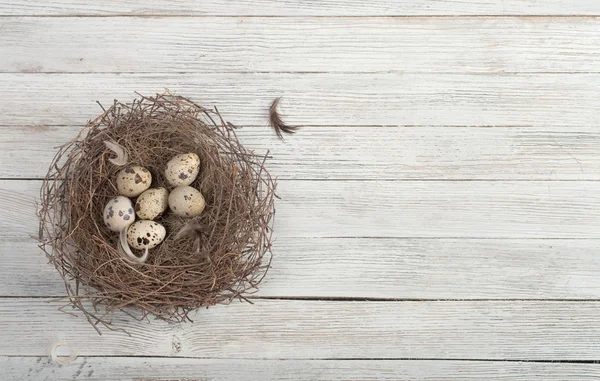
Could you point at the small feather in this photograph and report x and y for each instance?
(122, 157)
(194, 230)
(126, 252)
(276, 123)
(61, 360)
(191, 229)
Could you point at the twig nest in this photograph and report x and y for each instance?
(145, 234)
(118, 213)
(182, 169)
(152, 203)
(186, 201)
(218, 254)
(133, 180)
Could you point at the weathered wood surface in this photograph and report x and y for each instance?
(375, 153)
(376, 268)
(301, 7)
(397, 99)
(266, 44)
(447, 171)
(395, 209)
(297, 329)
(144, 369)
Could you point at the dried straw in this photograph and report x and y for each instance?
(222, 256)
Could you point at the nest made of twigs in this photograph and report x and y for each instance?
(223, 259)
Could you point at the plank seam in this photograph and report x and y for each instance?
(359, 299)
(415, 16)
(331, 359)
(357, 179)
(307, 73)
(304, 72)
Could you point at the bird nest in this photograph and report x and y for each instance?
(213, 258)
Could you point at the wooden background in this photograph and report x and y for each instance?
(440, 212)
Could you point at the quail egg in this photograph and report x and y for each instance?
(182, 169)
(145, 234)
(133, 180)
(152, 203)
(186, 201)
(118, 213)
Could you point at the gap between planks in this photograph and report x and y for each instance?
(249, 16)
(318, 359)
(64, 297)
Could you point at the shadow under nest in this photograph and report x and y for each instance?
(223, 260)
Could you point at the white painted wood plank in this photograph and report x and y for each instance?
(441, 209)
(202, 45)
(279, 329)
(302, 7)
(382, 268)
(375, 153)
(320, 99)
(147, 369)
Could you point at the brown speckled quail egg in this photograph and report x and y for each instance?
(186, 201)
(152, 203)
(133, 180)
(182, 169)
(145, 234)
(118, 213)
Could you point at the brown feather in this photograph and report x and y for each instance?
(276, 123)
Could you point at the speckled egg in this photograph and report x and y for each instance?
(118, 213)
(182, 169)
(133, 180)
(152, 203)
(186, 201)
(145, 234)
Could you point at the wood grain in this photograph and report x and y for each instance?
(201, 45)
(382, 268)
(320, 99)
(183, 369)
(430, 209)
(302, 7)
(279, 329)
(342, 153)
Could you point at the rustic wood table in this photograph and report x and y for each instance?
(440, 211)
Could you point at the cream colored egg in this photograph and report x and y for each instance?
(152, 203)
(182, 169)
(186, 201)
(118, 213)
(133, 180)
(145, 234)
